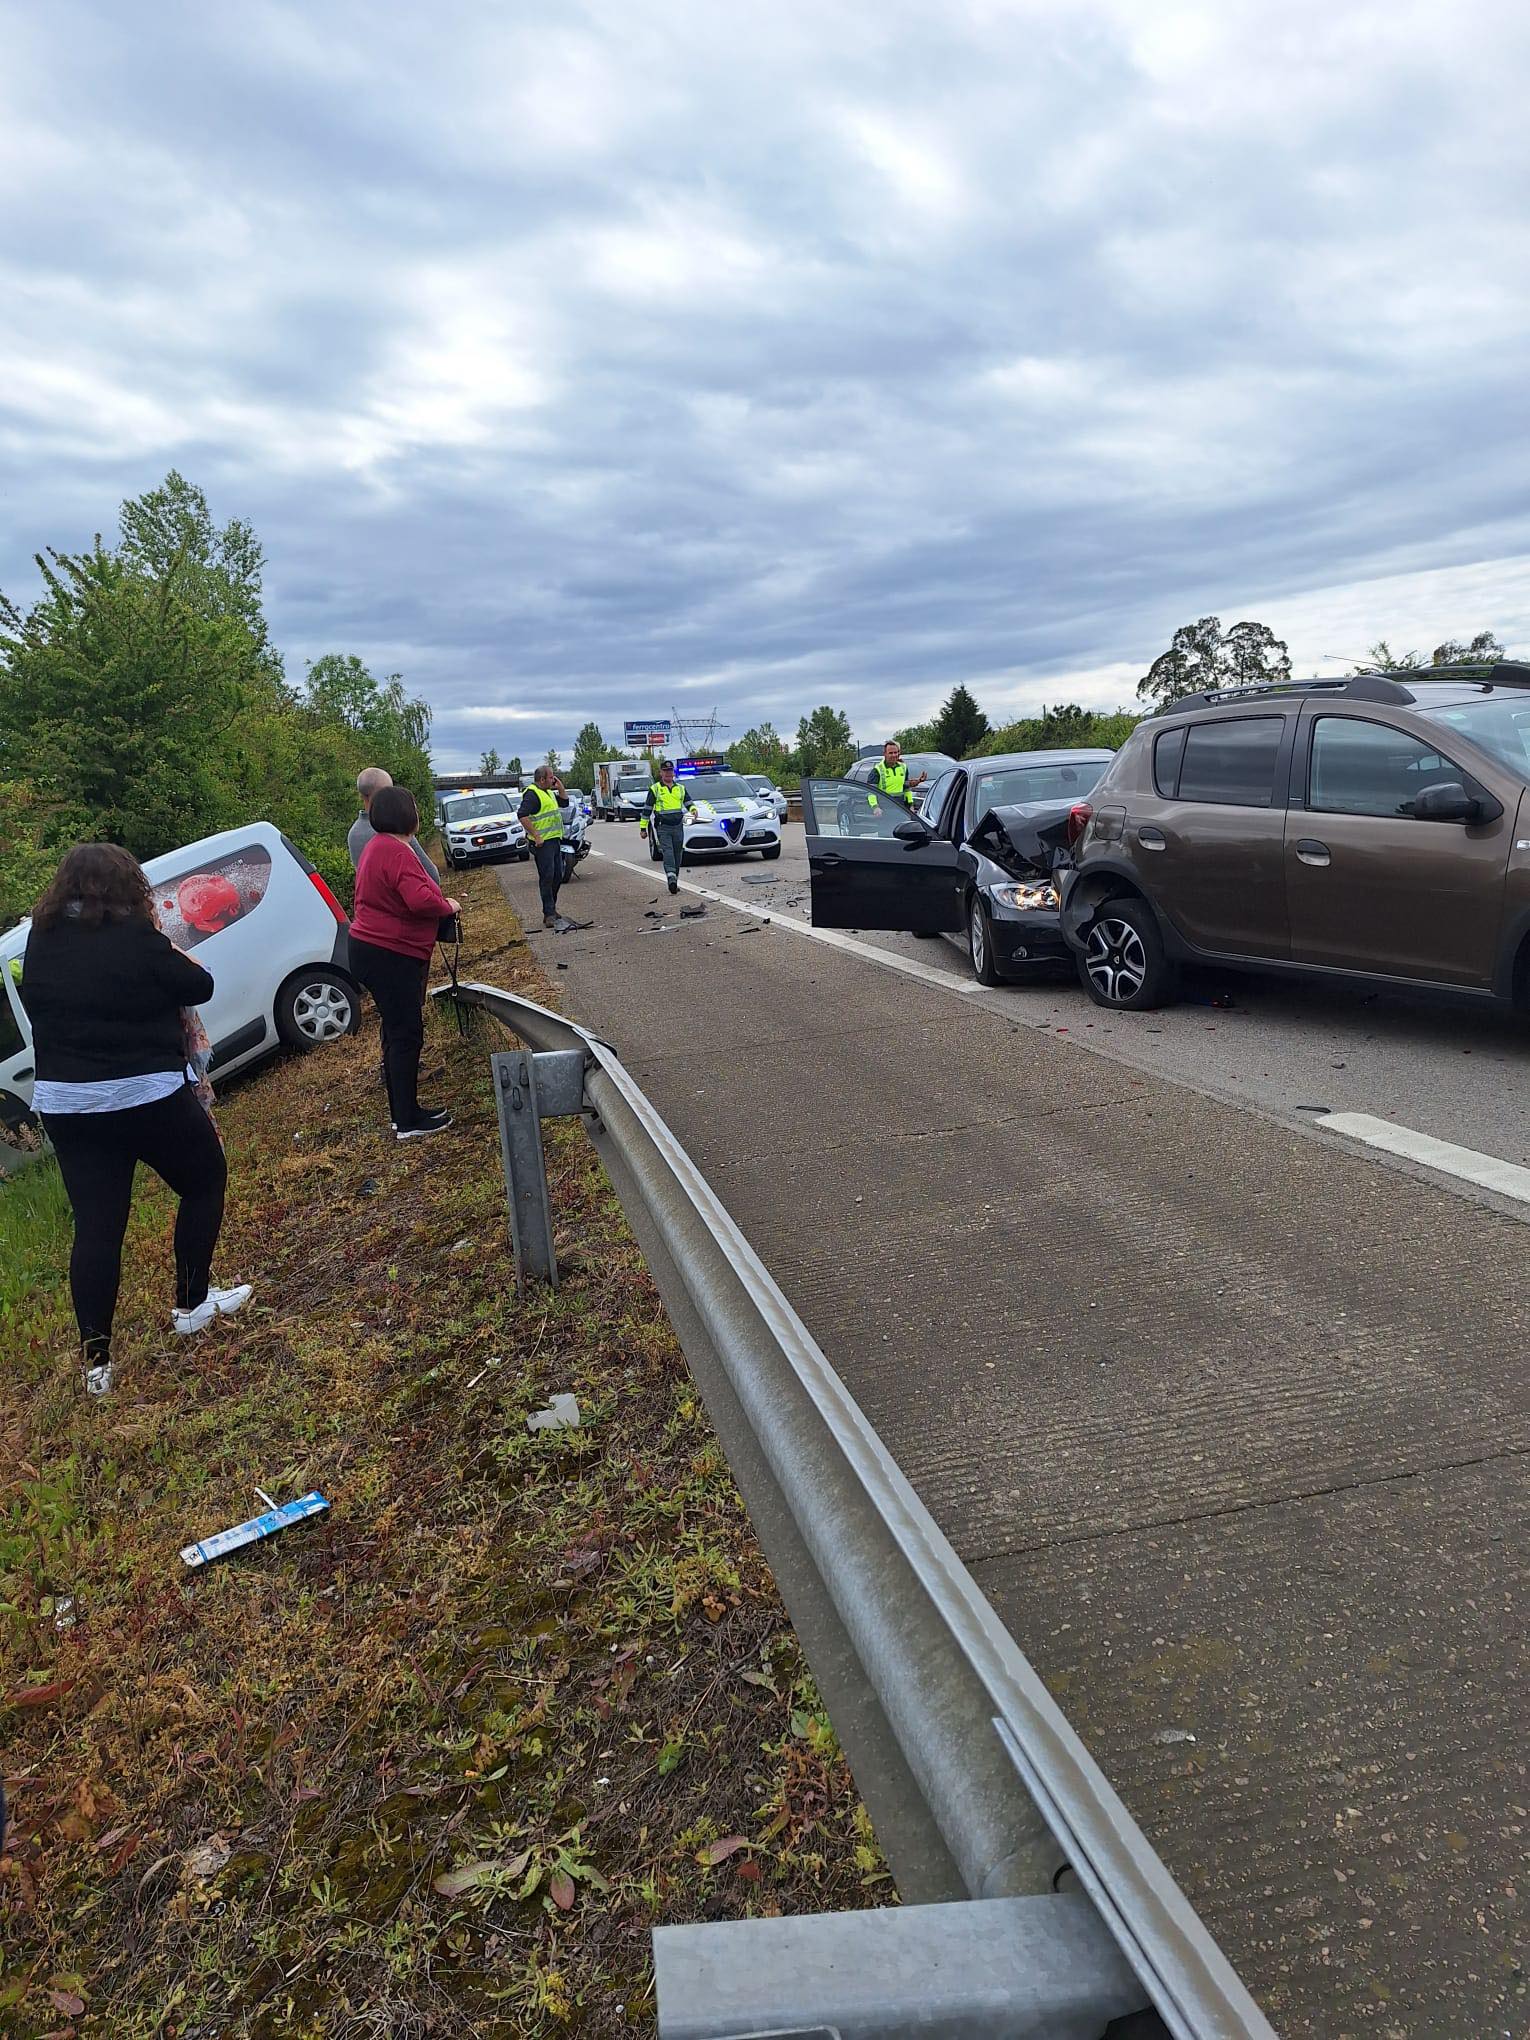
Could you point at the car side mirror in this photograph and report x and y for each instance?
(912, 832)
(1449, 801)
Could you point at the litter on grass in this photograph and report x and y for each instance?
(561, 1414)
(271, 1524)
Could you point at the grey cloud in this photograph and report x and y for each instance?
(585, 359)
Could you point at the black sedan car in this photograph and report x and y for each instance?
(979, 861)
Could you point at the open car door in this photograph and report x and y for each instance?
(872, 864)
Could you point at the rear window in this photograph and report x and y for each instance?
(1232, 762)
(11, 1041)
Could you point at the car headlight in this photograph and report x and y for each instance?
(1040, 894)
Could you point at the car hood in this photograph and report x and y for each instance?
(1029, 839)
(480, 823)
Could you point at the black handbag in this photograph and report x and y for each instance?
(449, 930)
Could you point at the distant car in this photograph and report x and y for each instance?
(730, 820)
(249, 906)
(1373, 828)
(772, 795)
(981, 860)
(482, 828)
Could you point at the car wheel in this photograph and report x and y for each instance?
(655, 854)
(769, 856)
(1123, 965)
(980, 941)
(316, 1006)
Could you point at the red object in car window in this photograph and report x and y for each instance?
(1079, 817)
(207, 901)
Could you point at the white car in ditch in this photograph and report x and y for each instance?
(728, 820)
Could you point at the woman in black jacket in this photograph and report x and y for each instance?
(104, 989)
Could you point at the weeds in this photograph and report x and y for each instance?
(438, 1761)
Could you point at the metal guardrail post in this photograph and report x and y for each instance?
(527, 1089)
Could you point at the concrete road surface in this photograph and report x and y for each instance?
(1229, 1418)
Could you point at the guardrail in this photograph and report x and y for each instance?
(978, 1788)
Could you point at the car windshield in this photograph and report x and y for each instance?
(1018, 784)
(757, 781)
(718, 786)
(633, 782)
(479, 804)
(1500, 723)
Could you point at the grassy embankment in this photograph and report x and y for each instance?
(437, 1761)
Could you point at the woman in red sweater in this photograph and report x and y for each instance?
(393, 930)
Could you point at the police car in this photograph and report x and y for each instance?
(729, 820)
(481, 828)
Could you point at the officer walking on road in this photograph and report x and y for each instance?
(891, 775)
(543, 817)
(668, 804)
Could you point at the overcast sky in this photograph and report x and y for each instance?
(587, 359)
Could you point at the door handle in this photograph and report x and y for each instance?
(1151, 838)
(1311, 851)
(829, 857)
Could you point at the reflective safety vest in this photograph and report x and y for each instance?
(546, 826)
(668, 801)
(892, 779)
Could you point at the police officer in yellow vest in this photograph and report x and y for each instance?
(891, 775)
(668, 804)
(543, 817)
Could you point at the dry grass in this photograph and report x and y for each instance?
(553, 1664)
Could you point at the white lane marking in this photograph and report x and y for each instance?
(1488, 1172)
(968, 988)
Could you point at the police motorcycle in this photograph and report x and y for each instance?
(575, 841)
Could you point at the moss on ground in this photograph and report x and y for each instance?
(437, 1762)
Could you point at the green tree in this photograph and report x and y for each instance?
(825, 749)
(552, 758)
(488, 764)
(589, 750)
(141, 702)
(1482, 650)
(918, 737)
(1251, 652)
(759, 750)
(961, 725)
(1192, 662)
(1200, 657)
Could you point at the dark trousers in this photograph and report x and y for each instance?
(549, 858)
(671, 845)
(397, 985)
(97, 1155)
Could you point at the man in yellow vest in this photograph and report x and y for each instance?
(891, 775)
(543, 818)
(668, 804)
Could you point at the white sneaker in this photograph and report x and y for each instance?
(98, 1380)
(218, 1303)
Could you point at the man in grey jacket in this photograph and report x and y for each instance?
(371, 781)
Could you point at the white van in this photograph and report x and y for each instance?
(253, 911)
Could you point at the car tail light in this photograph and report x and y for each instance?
(329, 899)
(1079, 817)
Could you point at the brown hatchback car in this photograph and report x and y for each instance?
(1376, 827)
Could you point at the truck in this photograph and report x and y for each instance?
(621, 788)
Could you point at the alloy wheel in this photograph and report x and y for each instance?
(1116, 961)
(321, 1011)
(978, 935)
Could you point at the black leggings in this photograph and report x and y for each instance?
(397, 984)
(97, 1154)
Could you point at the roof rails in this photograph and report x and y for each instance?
(1353, 687)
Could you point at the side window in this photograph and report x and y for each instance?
(1167, 752)
(1232, 762)
(1364, 768)
(935, 798)
(839, 807)
(952, 822)
(211, 898)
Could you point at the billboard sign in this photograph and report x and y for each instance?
(646, 736)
